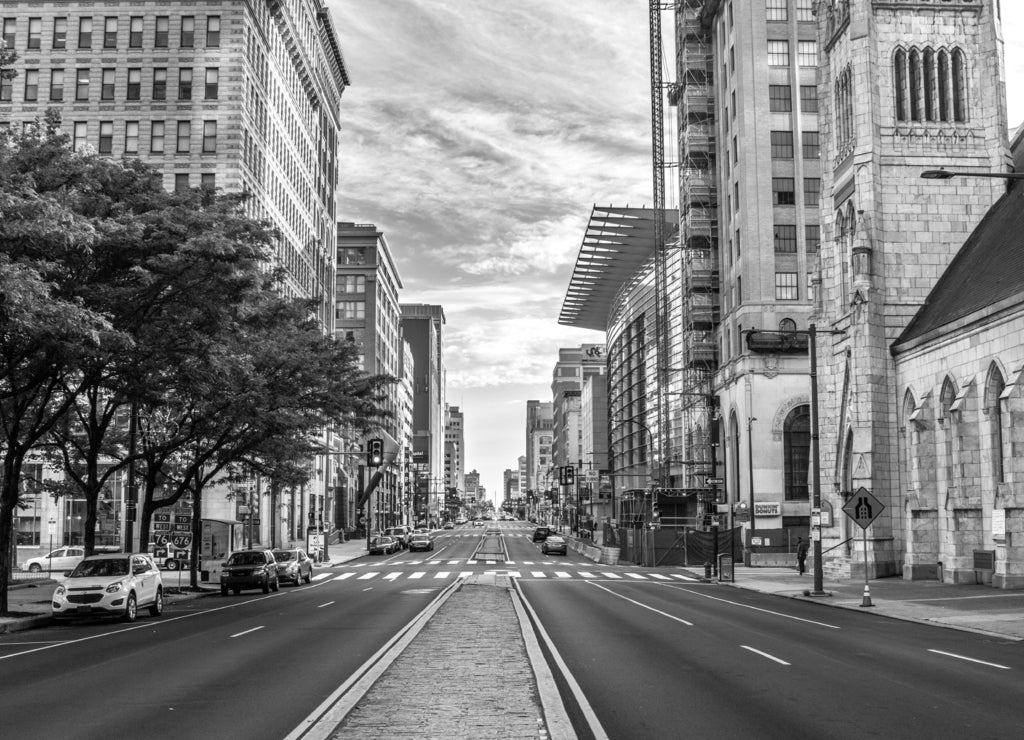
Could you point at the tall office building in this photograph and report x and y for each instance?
(454, 450)
(539, 422)
(575, 365)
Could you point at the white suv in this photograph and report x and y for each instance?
(110, 585)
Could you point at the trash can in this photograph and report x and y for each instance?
(725, 568)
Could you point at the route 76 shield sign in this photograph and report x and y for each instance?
(863, 507)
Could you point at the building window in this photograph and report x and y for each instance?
(786, 286)
(31, 85)
(35, 33)
(930, 85)
(209, 137)
(10, 32)
(163, 25)
(351, 310)
(6, 90)
(213, 30)
(778, 53)
(787, 326)
(85, 33)
(135, 32)
(352, 256)
(994, 388)
(110, 32)
(212, 82)
(107, 85)
(188, 31)
(185, 83)
(56, 85)
(184, 136)
(208, 180)
(779, 99)
(181, 182)
(776, 10)
(812, 192)
(812, 236)
(805, 11)
(783, 191)
(785, 238)
(810, 144)
(134, 84)
(808, 99)
(82, 84)
(843, 116)
(353, 284)
(131, 137)
(796, 446)
(807, 53)
(106, 137)
(156, 137)
(160, 83)
(60, 33)
(79, 136)
(782, 144)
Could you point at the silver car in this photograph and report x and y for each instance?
(294, 566)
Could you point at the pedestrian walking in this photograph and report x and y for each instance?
(801, 554)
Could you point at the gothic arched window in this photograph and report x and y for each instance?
(994, 387)
(796, 450)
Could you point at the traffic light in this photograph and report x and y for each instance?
(375, 452)
(567, 475)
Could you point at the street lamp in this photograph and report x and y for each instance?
(944, 174)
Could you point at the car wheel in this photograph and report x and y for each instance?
(309, 576)
(35, 568)
(223, 590)
(158, 606)
(131, 609)
(236, 591)
(171, 563)
(266, 585)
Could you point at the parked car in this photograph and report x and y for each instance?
(541, 533)
(112, 585)
(401, 534)
(448, 525)
(294, 566)
(249, 569)
(553, 543)
(421, 541)
(59, 560)
(383, 545)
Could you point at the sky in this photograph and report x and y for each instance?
(477, 135)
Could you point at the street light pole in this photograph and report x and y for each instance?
(815, 465)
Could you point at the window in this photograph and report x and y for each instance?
(131, 137)
(796, 445)
(212, 82)
(82, 84)
(85, 33)
(782, 144)
(352, 256)
(994, 388)
(778, 53)
(79, 135)
(6, 90)
(181, 182)
(135, 32)
(106, 137)
(208, 180)
(786, 286)
(353, 284)
(209, 137)
(60, 33)
(779, 99)
(805, 11)
(811, 145)
(351, 310)
(31, 85)
(807, 53)
(107, 85)
(156, 137)
(776, 10)
(185, 83)
(110, 32)
(787, 325)
(213, 30)
(35, 33)
(188, 31)
(57, 84)
(785, 238)
(184, 136)
(808, 99)
(134, 83)
(160, 83)
(163, 25)
(812, 236)
(10, 32)
(783, 191)
(812, 192)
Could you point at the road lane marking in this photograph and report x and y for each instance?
(562, 574)
(587, 574)
(470, 562)
(637, 603)
(681, 577)
(510, 562)
(755, 608)
(465, 574)
(972, 660)
(392, 576)
(660, 577)
(367, 576)
(417, 574)
(528, 562)
(453, 562)
(765, 655)
(441, 574)
(539, 574)
(343, 576)
(610, 575)
(254, 629)
(321, 576)
(638, 576)
(323, 605)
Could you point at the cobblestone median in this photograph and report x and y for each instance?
(466, 676)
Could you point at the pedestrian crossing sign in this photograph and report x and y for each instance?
(863, 507)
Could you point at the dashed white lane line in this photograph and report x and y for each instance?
(323, 605)
(763, 654)
(239, 634)
(640, 604)
(972, 660)
(343, 576)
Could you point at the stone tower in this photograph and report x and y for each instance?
(904, 86)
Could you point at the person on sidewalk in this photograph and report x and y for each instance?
(801, 554)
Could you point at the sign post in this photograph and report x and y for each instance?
(864, 508)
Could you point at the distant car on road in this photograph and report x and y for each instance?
(294, 565)
(421, 541)
(401, 534)
(110, 585)
(249, 569)
(448, 525)
(552, 544)
(59, 560)
(541, 533)
(383, 545)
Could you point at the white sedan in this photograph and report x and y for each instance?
(116, 585)
(59, 560)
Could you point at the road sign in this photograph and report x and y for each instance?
(863, 508)
(714, 481)
(181, 540)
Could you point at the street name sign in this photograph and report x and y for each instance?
(863, 507)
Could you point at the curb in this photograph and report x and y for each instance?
(20, 624)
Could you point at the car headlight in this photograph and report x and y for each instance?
(60, 590)
(113, 588)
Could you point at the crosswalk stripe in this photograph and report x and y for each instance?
(321, 576)
(465, 574)
(681, 577)
(367, 576)
(441, 574)
(528, 562)
(489, 562)
(417, 574)
(453, 562)
(586, 574)
(510, 562)
(393, 576)
(638, 576)
(343, 576)
(471, 562)
(562, 574)
(611, 575)
(539, 574)
(660, 577)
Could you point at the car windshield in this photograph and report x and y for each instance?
(421, 537)
(105, 568)
(281, 555)
(247, 558)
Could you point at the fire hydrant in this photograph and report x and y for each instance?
(707, 570)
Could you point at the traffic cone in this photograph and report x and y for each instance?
(866, 601)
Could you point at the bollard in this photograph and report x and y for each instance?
(707, 570)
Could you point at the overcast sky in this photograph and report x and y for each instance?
(477, 135)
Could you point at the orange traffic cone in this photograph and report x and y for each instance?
(866, 601)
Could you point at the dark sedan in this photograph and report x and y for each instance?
(553, 543)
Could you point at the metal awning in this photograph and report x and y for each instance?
(618, 241)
